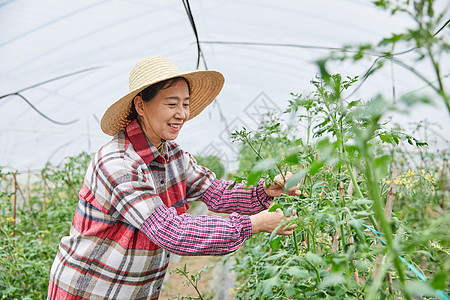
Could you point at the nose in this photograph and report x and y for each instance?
(182, 112)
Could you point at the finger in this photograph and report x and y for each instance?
(287, 231)
(294, 190)
(289, 226)
(279, 179)
(293, 215)
(288, 175)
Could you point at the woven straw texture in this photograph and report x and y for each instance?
(205, 86)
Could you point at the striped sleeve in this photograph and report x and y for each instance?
(220, 198)
(202, 235)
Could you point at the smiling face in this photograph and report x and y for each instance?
(164, 115)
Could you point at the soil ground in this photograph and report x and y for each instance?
(176, 285)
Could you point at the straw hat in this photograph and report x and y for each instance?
(205, 86)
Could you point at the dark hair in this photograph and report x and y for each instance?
(150, 92)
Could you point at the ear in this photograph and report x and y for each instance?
(138, 105)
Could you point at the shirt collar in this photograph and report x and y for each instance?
(144, 148)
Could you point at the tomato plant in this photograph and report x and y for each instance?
(343, 231)
(371, 223)
(36, 210)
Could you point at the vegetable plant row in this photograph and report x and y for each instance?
(372, 218)
(370, 225)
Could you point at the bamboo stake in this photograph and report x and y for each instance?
(335, 241)
(351, 240)
(444, 165)
(324, 190)
(27, 205)
(341, 188)
(388, 212)
(391, 195)
(351, 187)
(72, 185)
(44, 204)
(15, 204)
(347, 219)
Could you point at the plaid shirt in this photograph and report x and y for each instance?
(131, 215)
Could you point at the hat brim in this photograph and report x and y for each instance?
(204, 85)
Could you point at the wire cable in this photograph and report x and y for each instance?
(200, 55)
(18, 93)
(37, 110)
(187, 7)
(366, 74)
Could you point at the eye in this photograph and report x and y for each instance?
(186, 104)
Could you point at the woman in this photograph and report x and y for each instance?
(131, 210)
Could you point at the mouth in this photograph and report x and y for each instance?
(175, 126)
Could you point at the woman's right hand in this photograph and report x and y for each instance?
(266, 221)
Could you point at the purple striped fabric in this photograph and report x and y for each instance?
(203, 235)
(220, 198)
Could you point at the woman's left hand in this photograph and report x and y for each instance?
(275, 190)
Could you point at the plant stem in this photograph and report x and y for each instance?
(262, 158)
(313, 239)
(438, 75)
(295, 243)
(385, 226)
(194, 285)
(315, 270)
(360, 195)
(342, 236)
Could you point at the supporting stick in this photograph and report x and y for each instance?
(444, 165)
(351, 187)
(72, 185)
(27, 205)
(391, 195)
(44, 204)
(15, 204)
(388, 213)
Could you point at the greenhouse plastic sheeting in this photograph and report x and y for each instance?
(91, 46)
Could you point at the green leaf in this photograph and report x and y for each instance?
(332, 279)
(315, 166)
(439, 281)
(353, 103)
(269, 284)
(298, 273)
(271, 271)
(275, 207)
(295, 179)
(314, 258)
(410, 100)
(292, 159)
(364, 201)
(358, 56)
(381, 165)
(389, 138)
(280, 254)
(237, 179)
(275, 243)
(264, 165)
(395, 38)
(289, 290)
(253, 177)
(420, 288)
